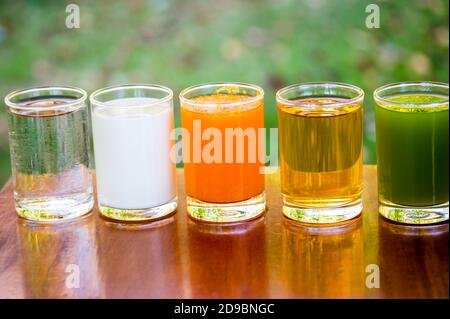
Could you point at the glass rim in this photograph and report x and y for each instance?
(93, 96)
(17, 106)
(254, 99)
(356, 99)
(431, 84)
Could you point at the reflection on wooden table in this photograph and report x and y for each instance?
(178, 258)
(55, 260)
(325, 261)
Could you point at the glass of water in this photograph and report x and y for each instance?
(50, 153)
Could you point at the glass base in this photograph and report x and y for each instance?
(226, 213)
(414, 215)
(54, 209)
(322, 215)
(139, 215)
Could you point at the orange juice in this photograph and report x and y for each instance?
(230, 172)
(223, 182)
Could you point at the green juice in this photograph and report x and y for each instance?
(412, 150)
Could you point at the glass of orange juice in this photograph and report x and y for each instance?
(223, 151)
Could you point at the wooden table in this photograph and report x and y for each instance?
(178, 258)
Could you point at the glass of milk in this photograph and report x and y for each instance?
(132, 127)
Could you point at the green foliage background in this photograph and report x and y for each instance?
(179, 43)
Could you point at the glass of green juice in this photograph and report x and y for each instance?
(412, 151)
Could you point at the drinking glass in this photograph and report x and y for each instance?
(132, 127)
(49, 141)
(412, 151)
(223, 126)
(320, 138)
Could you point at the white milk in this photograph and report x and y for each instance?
(132, 153)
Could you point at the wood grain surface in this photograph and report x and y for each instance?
(271, 257)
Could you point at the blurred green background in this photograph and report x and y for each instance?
(179, 43)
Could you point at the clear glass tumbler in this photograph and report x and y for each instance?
(132, 129)
(49, 141)
(412, 151)
(223, 126)
(321, 148)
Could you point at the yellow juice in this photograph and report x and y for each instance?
(320, 152)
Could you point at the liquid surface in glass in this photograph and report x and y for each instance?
(222, 181)
(50, 155)
(320, 152)
(412, 150)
